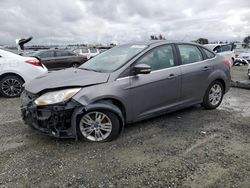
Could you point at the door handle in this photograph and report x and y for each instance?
(172, 76)
(206, 68)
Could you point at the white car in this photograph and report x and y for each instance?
(87, 52)
(15, 70)
(225, 50)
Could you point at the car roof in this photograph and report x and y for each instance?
(160, 42)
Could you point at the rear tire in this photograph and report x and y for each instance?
(11, 86)
(214, 95)
(98, 126)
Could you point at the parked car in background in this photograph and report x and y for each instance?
(126, 84)
(87, 52)
(239, 47)
(59, 59)
(15, 70)
(242, 59)
(225, 50)
(104, 48)
(245, 56)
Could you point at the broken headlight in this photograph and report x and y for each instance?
(54, 97)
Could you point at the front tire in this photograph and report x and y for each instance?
(213, 96)
(11, 86)
(98, 126)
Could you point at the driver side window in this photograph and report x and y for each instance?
(159, 58)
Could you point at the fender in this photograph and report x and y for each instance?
(5, 72)
(103, 105)
(220, 75)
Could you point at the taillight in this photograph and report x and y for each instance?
(34, 62)
(228, 63)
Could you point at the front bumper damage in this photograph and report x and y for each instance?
(54, 120)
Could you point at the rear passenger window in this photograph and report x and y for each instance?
(189, 54)
(208, 53)
(62, 53)
(226, 48)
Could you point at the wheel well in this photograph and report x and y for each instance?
(11, 74)
(117, 103)
(223, 83)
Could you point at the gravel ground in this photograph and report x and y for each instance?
(239, 74)
(189, 148)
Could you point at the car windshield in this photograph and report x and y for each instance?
(112, 59)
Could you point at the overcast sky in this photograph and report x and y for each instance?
(105, 21)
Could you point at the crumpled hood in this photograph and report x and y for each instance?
(66, 78)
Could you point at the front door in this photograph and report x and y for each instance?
(153, 93)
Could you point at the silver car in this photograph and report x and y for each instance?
(125, 84)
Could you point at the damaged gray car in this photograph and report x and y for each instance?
(126, 84)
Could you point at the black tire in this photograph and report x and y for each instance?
(115, 127)
(11, 80)
(206, 102)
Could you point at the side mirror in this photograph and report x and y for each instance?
(141, 69)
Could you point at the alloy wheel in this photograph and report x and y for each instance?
(95, 126)
(11, 87)
(215, 94)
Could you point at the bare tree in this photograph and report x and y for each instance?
(246, 40)
(159, 37)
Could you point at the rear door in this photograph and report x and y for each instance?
(62, 59)
(155, 92)
(48, 59)
(195, 70)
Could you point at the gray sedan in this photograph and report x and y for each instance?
(125, 84)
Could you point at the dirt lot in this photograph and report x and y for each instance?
(239, 73)
(188, 148)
